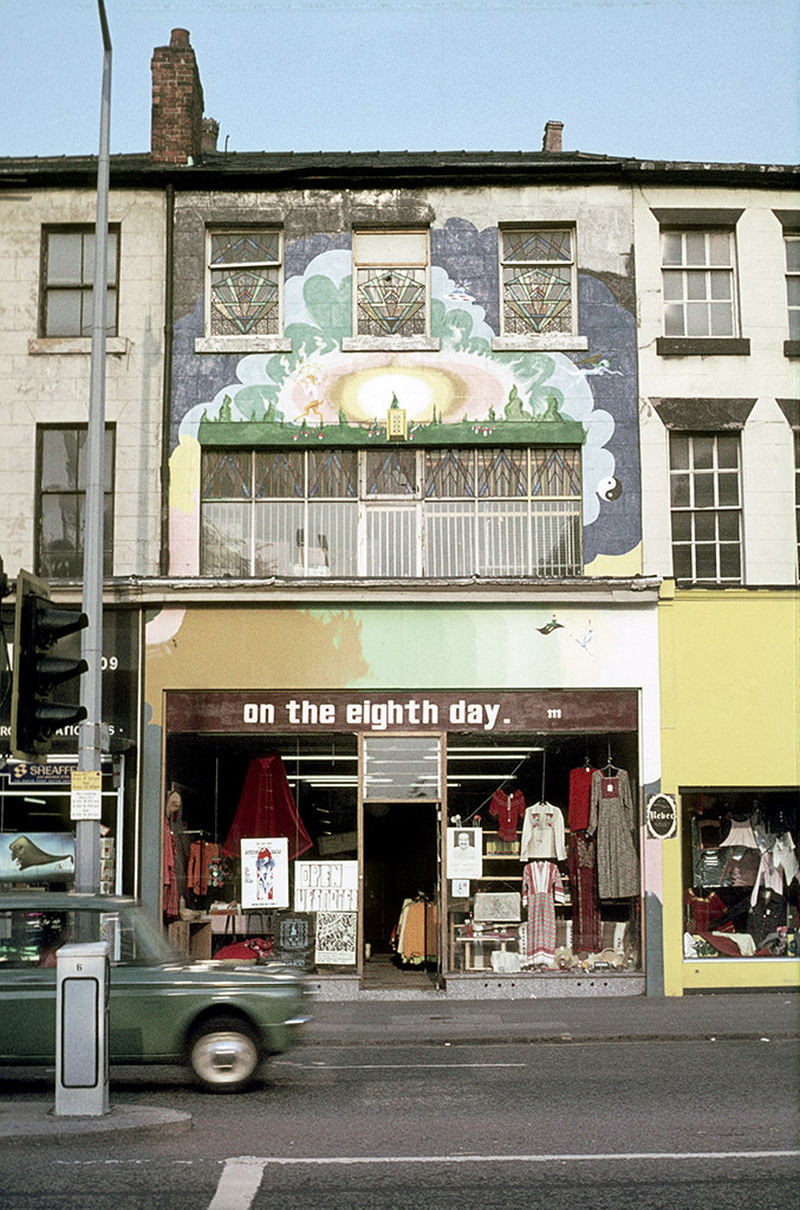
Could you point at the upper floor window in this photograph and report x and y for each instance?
(244, 282)
(61, 501)
(392, 512)
(792, 245)
(705, 497)
(538, 280)
(391, 291)
(68, 281)
(797, 494)
(699, 283)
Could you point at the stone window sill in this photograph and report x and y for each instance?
(115, 345)
(243, 344)
(791, 348)
(557, 342)
(389, 344)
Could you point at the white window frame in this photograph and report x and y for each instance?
(363, 259)
(792, 276)
(716, 509)
(688, 272)
(242, 341)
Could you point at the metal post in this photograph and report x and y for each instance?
(87, 834)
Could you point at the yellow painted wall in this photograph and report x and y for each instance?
(730, 716)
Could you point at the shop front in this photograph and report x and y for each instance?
(731, 766)
(486, 839)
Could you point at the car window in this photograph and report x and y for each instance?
(31, 938)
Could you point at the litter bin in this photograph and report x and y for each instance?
(82, 980)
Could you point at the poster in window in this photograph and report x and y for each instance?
(37, 856)
(265, 872)
(464, 852)
(336, 938)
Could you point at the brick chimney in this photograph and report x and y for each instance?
(176, 123)
(552, 136)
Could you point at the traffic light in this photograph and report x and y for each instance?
(38, 626)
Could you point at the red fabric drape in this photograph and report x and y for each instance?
(267, 808)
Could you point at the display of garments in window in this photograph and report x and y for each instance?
(542, 888)
(784, 855)
(766, 916)
(741, 835)
(611, 819)
(704, 911)
(170, 882)
(582, 867)
(543, 833)
(709, 866)
(741, 868)
(206, 869)
(508, 810)
(267, 808)
(580, 797)
(769, 876)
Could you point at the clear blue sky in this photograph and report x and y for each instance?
(713, 80)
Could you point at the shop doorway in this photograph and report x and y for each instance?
(401, 891)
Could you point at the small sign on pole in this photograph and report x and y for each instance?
(85, 794)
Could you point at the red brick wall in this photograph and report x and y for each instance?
(177, 112)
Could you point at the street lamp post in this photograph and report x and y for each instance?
(87, 834)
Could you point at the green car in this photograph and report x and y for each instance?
(163, 1008)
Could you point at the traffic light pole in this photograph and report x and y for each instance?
(87, 832)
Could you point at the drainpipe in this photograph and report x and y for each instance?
(169, 291)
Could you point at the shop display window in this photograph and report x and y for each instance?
(740, 874)
(37, 834)
(403, 854)
(261, 849)
(548, 879)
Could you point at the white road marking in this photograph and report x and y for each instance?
(389, 1066)
(239, 1183)
(242, 1175)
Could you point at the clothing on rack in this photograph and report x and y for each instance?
(170, 882)
(611, 818)
(542, 888)
(508, 810)
(267, 808)
(582, 866)
(205, 867)
(415, 936)
(580, 797)
(543, 834)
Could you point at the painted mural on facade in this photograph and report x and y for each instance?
(318, 393)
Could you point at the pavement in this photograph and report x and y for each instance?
(712, 1017)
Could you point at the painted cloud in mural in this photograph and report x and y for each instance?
(318, 384)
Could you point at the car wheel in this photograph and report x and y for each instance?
(224, 1054)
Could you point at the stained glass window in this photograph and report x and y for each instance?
(391, 271)
(538, 281)
(391, 472)
(244, 282)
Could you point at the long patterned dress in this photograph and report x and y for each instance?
(542, 888)
(583, 886)
(611, 819)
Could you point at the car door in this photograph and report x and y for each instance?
(28, 941)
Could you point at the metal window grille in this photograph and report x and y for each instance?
(392, 513)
